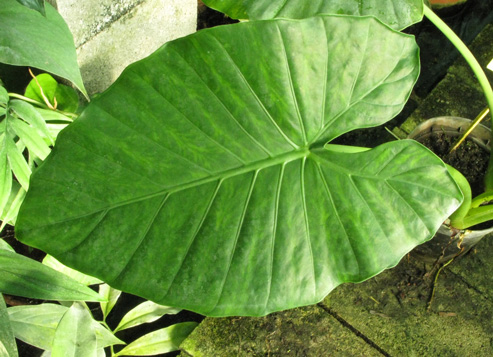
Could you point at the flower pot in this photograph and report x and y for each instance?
(449, 242)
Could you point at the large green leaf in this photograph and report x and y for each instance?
(199, 179)
(398, 14)
(27, 38)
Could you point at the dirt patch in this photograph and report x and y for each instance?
(469, 158)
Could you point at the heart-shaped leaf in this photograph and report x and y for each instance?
(398, 14)
(200, 180)
(30, 39)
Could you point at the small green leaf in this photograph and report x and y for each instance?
(29, 113)
(38, 5)
(17, 163)
(31, 138)
(53, 116)
(105, 337)
(5, 174)
(74, 336)
(8, 346)
(4, 245)
(9, 214)
(36, 324)
(66, 97)
(111, 295)
(161, 341)
(47, 83)
(144, 313)
(74, 274)
(4, 95)
(22, 276)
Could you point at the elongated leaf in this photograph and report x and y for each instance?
(398, 14)
(4, 95)
(161, 341)
(27, 112)
(74, 336)
(30, 39)
(8, 347)
(5, 173)
(84, 279)
(201, 180)
(4, 245)
(38, 5)
(17, 162)
(9, 214)
(111, 295)
(22, 276)
(144, 313)
(31, 138)
(36, 324)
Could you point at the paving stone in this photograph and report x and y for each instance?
(392, 311)
(111, 34)
(308, 331)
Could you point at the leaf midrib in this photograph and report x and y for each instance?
(258, 165)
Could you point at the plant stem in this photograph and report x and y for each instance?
(476, 68)
(42, 105)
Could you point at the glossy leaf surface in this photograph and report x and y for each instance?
(398, 14)
(199, 179)
(30, 39)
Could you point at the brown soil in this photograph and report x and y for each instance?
(470, 159)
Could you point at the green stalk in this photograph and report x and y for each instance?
(476, 68)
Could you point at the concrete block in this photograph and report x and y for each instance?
(111, 34)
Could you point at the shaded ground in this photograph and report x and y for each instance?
(390, 315)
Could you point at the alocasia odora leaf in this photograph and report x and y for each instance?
(398, 14)
(200, 180)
